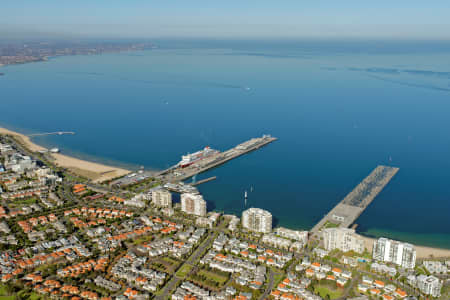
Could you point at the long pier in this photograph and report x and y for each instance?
(176, 174)
(345, 213)
(179, 174)
(51, 133)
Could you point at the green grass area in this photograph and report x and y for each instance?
(329, 224)
(23, 202)
(3, 291)
(277, 278)
(170, 260)
(184, 270)
(220, 279)
(325, 290)
(142, 239)
(23, 294)
(210, 279)
(34, 296)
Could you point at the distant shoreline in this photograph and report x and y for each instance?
(94, 171)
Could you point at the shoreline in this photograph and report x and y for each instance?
(101, 172)
(97, 172)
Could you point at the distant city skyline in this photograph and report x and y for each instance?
(227, 19)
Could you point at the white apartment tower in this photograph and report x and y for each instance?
(429, 285)
(162, 198)
(344, 239)
(402, 254)
(193, 204)
(256, 219)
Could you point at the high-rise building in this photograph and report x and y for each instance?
(257, 219)
(193, 204)
(344, 239)
(402, 254)
(429, 285)
(162, 198)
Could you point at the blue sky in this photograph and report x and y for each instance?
(230, 18)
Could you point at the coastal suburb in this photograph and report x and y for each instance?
(73, 229)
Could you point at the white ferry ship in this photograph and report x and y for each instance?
(189, 159)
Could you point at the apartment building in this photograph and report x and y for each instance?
(402, 254)
(162, 198)
(344, 239)
(257, 219)
(193, 204)
(429, 285)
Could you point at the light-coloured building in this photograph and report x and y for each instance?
(137, 201)
(402, 254)
(276, 241)
(435, 267)
(429, 285)
(301, 236)
(193, 204)
(204, 222)
(162, 198)
(257, 219)
(344, 239)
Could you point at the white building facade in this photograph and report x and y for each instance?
(193, 204)
(256, 219)
(402, 254)
(344, 239)
(429, 285)
(162, 198)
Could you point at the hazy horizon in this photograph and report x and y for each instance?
(231, 19)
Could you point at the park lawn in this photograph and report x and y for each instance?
(23, 202)
(3, 291)
(34, 296)
(325, 290)
(170, 260)
(184, 270)
(142, 239)
(329, 224)
(7, 297)
(221, 280)
(277, 278)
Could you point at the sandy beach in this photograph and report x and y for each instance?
(94, 171)
(421, 251)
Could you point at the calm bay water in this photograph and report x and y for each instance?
(338, 108)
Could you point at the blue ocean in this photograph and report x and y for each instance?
(339, 109)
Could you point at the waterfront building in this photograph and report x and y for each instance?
(402, 254)
(193, 204)
(344, 239)
(162, 198)
(257, 219)
(429, 285)
(435, 267)
(301, 236)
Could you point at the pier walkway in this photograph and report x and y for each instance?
(174, 175)
(345, 213)
(51, 133)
